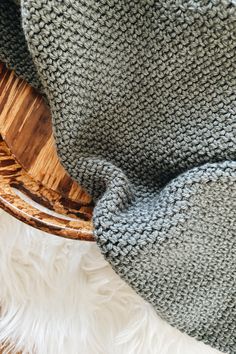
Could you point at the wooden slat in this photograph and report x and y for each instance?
(72, 219)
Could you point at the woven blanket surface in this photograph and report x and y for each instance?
(142, 95)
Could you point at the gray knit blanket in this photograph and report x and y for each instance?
(143, 100)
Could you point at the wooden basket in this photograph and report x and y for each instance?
(34, 187)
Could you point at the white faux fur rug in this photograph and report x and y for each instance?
(61, 297)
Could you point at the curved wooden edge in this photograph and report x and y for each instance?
(41, 220)
(79, 225)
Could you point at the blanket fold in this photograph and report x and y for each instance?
(142, 95)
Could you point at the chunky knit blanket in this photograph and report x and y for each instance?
(143, 100)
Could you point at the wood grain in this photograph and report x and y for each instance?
(25, 125)
(29, 164)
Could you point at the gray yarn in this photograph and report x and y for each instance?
(143, 100)
(13, 47)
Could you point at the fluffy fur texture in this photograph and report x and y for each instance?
(61, 297)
